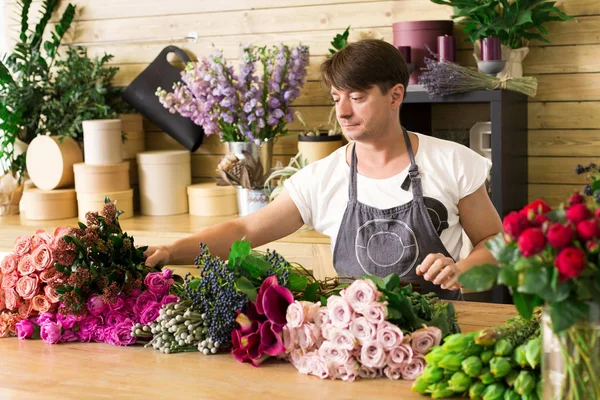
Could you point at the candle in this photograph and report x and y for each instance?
(446, 48)
(405, 50)
(490, 49)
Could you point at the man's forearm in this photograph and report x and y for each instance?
(219, 239)
(480, 255)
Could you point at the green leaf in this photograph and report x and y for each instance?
(524, 303)
(404, 306)
(256, 266)
(297, 282)
(480, 278)
(508, 276)
(565, 314)
(391, 281)
(310, 294)
(81, 225)
(377, 280)
(244, 285)
(504, 252)
(323, 301)
(534, 280)
(394, 314)
(239, 250)
(525, 263)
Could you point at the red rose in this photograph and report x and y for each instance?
(537, 206)
(576, 198)
(588, 229)
(592, 246)
(514, 224)
(539, 220)
(559, 235)
(531, 241)
(578, 213)
(597, 213)
(570, 262)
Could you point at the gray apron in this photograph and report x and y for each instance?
(380, 242)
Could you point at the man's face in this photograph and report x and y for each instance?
(365, 114)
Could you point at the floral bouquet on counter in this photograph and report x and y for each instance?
(80, 284)
(552, 258)
(248, 107)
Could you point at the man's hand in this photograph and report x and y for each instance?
(157, 255)
(440, 270)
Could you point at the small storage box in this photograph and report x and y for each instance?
(49, 204)
(209, 200)
(163, 179)
(50, 161)
(101, 178)
(135, 142)
(95, 202)
(102, 141)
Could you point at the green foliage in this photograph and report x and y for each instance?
(82, 91)
(513, 21)
(340, 41)
(25, 82)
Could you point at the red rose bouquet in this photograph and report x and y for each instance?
(552, 258)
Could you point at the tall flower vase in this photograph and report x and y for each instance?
(250, 200)
(571, 362)
(262, 152)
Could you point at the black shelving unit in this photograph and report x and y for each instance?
(508, 115)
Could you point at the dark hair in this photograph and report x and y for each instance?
(363, 64)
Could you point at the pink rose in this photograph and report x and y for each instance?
(40, 303)
(369, 373)
(118, 304)
(23, 245)
(342, 338)
(59, 232)
(157, 283)
(300, 361)
(393, 372)
(389, 335)
(326, 329)
(51, 332)
(41, 237)
(68, 336)
(294, 315)
(98, 335)
(51, 294)
(96, 305)
(25, 309)
(120, 334)
(289, 338)
(150, 313)
(340, 313)
(9, 264)
(348, 371)
(143, 300)
(399, 355)
(308, 336)
(426, 338)
(375, 313)
(411, 370)
(170, 298)
(373, 355)
(360, 294)
(331, 353)
(317, 365)
(114, 318)
(41, 257)
(50, 275)
(9, 281)
(25, 329)
(322, 317)
(67, 321)
(26, 266)
(167, 273)
(45, 317)
(27, 286)
(2, 302)
(87, 326)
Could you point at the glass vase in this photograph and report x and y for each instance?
(571, 362)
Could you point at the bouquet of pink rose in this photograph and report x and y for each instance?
(351, 337)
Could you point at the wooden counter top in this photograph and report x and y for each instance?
(34, 370)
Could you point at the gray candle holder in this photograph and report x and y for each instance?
(411, 68)
(491, 67)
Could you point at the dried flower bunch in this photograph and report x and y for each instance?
(247, 172)
(444, 78)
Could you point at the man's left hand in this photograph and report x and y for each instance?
(440, 270)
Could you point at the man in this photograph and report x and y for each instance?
(391, 201)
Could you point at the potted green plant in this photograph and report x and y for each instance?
(274, 182)
(319, 142)
(514, 22)
(25, 85)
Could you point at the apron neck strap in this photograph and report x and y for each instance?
(413, 172)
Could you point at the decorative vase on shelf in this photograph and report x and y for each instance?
(571, 359)
(250, 200)
(513, 58)
(262, 152)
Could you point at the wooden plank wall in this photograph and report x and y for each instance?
(564, 118)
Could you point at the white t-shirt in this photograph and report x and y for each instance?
(449, 171)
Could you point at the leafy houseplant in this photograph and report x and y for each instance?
(82, 91)
(552, 258)
(278, 177)
(25, 82)
(513, 21)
